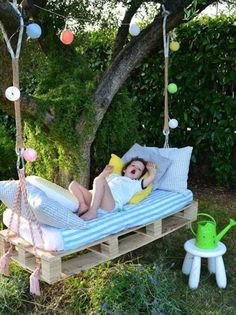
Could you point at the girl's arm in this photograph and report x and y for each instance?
(151, 167)
(107, 171)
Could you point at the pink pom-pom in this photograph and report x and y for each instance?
(30, 155)
(66, 37)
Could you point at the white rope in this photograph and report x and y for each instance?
(166, 143)
(18, 48)
(165, 13)
(20, 36)
(7, 41)
(166, 129)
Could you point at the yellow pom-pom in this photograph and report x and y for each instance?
(174, 46)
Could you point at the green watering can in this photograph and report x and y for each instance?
(206, 237)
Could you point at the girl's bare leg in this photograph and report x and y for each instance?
(82, 194)
(102, 198)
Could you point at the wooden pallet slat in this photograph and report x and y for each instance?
(154, 229)
(59, 265)
(110, 247)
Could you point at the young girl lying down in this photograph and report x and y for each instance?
(112, 191)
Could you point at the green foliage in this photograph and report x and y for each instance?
(64, 92)
(33, 67)
(7, 148)
(2, 208)
(204, 104)
(13, 292)
(97, 49)
(135, 289)
(122, 288)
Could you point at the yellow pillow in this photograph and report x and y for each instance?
(142, 194)
(118, 165)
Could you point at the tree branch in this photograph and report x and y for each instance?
(121, 37)
(29, 106)
(150, 39)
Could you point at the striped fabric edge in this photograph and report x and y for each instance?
(159, 204)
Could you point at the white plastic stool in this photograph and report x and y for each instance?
(192, 263)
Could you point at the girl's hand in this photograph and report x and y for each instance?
(151, 167)
(107, 171)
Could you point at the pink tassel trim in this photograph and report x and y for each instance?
(4, 262)
(34, 282)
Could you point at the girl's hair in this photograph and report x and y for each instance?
(136, 159)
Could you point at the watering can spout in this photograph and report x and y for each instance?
(226, 229)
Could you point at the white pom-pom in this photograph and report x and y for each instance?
(33, 30)
(12, 93)
(173, 123)
(134, 30)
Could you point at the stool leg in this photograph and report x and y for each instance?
(195, 273)
(211, 264)
(220, 273)
(187, 264)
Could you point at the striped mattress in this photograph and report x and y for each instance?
(158, 204)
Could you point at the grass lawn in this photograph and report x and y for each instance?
(145, 281)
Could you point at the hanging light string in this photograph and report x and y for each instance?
(66, 17)
(134, 29)
(54, 13)
(166, 129)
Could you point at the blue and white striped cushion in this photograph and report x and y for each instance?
(157, 205)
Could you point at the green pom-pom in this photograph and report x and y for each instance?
(172, 88)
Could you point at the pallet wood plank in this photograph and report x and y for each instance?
(79, 263)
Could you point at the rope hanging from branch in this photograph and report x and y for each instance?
(166, 129)
(21, 193)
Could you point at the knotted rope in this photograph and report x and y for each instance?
(166, 129)
(21, 186)
(20, 200)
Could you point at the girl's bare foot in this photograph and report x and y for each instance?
(89, 215)
(82, 208)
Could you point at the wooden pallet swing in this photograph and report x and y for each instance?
(57, 266)
(54, 266)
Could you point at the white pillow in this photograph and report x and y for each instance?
(8, 192)
(176, 177)
(46, 210)
(55, 192)
(148, 154)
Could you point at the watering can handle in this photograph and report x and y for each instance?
(205, 215)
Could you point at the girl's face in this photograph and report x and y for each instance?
(134, 170)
